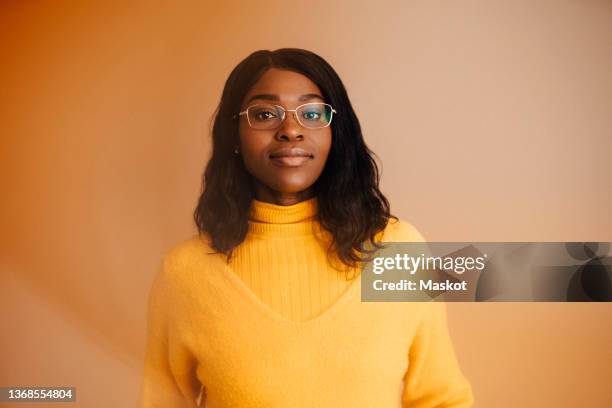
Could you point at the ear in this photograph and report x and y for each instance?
(236, 143)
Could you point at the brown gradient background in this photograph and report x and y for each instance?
(493, 121)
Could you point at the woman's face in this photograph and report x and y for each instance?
(278, 179)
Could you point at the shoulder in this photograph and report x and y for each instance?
(190, 251)
(401, 231)
(183, 260)
(172, 290)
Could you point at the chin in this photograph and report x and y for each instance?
(291, 188)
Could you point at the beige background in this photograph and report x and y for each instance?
(493, 120)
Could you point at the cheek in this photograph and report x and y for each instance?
(252, 150)
(251, 144)
(244, 134)
(325, 146)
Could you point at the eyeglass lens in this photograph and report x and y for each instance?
(311, 116)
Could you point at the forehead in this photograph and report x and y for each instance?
(289, 86)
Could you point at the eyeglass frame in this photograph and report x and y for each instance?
(245, 112)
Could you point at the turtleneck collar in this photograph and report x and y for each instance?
(274, 220)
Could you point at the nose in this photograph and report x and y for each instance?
(290, 128)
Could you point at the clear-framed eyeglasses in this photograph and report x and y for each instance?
(265, 116)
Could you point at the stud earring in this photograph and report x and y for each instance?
(235, 151)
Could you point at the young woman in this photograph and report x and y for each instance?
(262, 308)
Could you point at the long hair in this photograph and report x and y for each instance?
(350, 205)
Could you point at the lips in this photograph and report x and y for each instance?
(290, 157)
(290, 152)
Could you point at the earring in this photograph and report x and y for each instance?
(235, 151)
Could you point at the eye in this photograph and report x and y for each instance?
(311, 115)
(263, 115)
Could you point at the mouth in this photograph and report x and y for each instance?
(290, 157)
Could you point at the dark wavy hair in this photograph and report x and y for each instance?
(350, 205)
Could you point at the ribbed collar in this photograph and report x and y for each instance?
(274, 220)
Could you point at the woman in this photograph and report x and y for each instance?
(262, 307)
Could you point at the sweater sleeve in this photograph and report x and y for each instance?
(433, 378)
(169, 378)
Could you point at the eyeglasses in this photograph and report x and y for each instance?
(314, 115)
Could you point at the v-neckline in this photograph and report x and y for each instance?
(250, 297)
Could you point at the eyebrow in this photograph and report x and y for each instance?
(270, 97)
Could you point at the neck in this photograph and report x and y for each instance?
(267, 195)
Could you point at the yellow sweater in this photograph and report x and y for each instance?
(294, 278)
(279, 327)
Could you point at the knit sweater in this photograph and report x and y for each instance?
(280, 326)
(296, 283)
